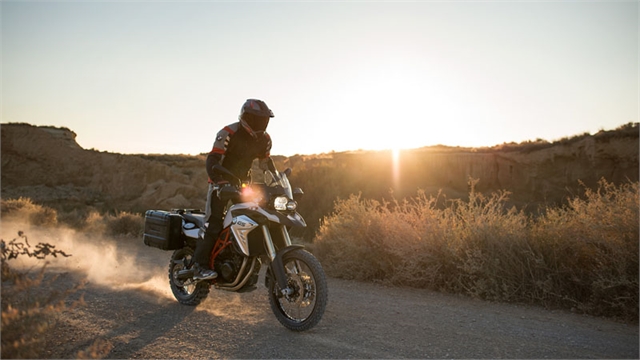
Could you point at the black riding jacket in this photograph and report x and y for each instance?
(235, 149)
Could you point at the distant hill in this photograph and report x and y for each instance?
(47, 165)
(537, 173)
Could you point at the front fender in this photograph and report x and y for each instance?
(277, 267)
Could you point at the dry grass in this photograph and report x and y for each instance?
(30, 303)
(583, 256)
(588, 252)
(121, 224)
(24, 209)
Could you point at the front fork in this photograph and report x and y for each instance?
(277, 266)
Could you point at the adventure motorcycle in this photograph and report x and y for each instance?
(255, 232)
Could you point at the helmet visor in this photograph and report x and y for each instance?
(257, 123)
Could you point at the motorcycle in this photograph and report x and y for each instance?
(255, 233)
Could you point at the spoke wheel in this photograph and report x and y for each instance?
(186, 291)
(303, 308)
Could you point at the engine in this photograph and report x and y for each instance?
(227, 264)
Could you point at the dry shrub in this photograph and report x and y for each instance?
(75, 218)
(121, 224)
(583, 256)
(350, 240)
(125, 224)
(489, 246)
(25, 210)
(30, 302)
(94, 223)
(587, 252)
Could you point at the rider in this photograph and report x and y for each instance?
(235, 148)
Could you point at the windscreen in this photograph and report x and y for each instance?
(272, 179)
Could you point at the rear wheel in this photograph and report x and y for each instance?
(186, 290)
(303, 308)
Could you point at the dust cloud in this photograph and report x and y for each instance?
(121, 263)
(125, 264)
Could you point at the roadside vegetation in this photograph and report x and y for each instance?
(118, 223)
(32, 299)
(582, 256)
(443, 169)
(28, 311)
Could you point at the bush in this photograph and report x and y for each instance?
(489, 246)
(583, 256)
(120, 224)
(29, 306)
(25, 210)
(124, 224)
(587, 252)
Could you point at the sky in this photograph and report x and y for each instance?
(165, 76)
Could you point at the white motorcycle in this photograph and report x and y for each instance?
(255, 232)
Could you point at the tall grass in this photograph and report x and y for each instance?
(588, 251)
(583, 256)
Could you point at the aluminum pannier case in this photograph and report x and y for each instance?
(163, 230)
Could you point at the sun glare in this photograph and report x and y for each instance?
(395, 161)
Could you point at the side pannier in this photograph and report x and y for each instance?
(163, 230)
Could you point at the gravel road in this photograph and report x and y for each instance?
(130, 306)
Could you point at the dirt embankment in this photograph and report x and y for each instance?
(47, 165)
(538, 172)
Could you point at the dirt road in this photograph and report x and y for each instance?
(130, 307)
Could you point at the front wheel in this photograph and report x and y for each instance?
(186, 290)
(303, 308)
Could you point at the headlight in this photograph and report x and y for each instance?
(292, 205)
(282, 203)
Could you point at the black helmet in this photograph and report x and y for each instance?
(254, 116)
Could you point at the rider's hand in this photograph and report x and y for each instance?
(224, 187)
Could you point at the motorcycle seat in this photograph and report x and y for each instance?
(198, 220)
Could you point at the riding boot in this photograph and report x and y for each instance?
(203, 250)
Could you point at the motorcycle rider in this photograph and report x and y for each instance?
(236, 147)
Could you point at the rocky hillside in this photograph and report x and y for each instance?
(47, 165)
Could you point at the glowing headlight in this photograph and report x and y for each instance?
(280, 203)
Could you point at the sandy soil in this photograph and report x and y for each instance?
(129, 306)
